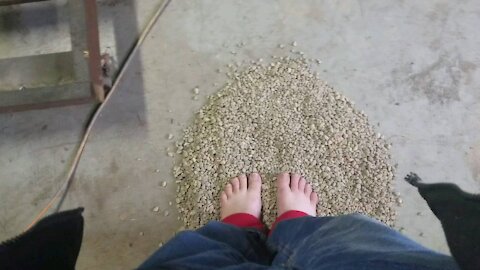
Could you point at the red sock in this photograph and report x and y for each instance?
(244, 220)
(287, 215)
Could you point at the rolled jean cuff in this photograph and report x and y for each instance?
(288, 215)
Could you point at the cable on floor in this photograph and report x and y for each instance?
(62, 191)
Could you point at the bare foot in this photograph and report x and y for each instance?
(242, 196)
(294, 193)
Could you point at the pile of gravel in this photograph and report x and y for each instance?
(281, 117)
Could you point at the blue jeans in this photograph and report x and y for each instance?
(343, 242)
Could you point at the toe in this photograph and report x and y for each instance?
(254, 182)
(235, 184)
(243, 182)
(223, 197)
(294, 179)
(283, 181)
(301, 184)
(314, 198)
(308, 190)
(229, 190)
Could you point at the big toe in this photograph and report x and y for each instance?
(254, 182)
(283, 180)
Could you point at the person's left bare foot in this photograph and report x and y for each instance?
(242, 195)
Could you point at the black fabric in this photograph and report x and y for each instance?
(459, 213)
(53, 243)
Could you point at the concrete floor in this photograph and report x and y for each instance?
(411, 66)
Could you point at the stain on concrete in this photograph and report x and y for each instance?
(11, 20)
(113, 167)
(439, 14)
(473, 161)
(467, 68)
(439, 82)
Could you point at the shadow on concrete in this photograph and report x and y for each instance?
(55, 132)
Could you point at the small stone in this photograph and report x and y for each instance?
(294, 44)
(170, 154)
(141, 233)
(281, 46)
(123, 216)
(157, 170)
(166, 213)
(164, 183)
(155, 209)
(160, 244)
(170, 203)
(420, 234)
(195, 97)
(196, 90)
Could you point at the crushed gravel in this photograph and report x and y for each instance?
(279, 117)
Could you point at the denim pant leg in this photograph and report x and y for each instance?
(215, 246)
(349, 242)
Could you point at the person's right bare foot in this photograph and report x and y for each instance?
(294, 193)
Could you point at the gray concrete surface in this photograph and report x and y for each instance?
(411, 66)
